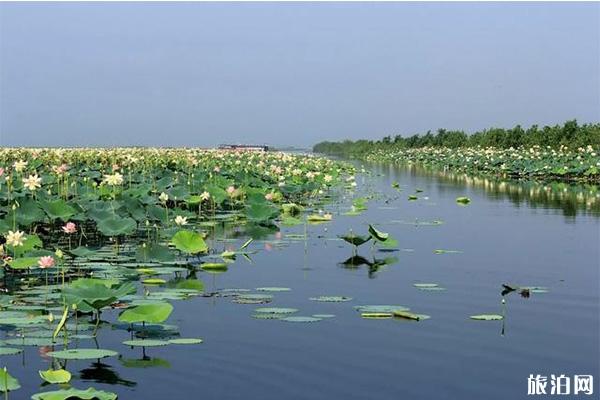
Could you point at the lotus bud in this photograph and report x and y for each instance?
(59, 253)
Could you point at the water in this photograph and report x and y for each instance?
(515, 233)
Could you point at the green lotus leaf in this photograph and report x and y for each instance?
(377, 315)
(72, 393)
(189, 242)
(409, 315)
(115, 226)
(9, 351)
(56, 376)
(82, 354)
(185, 341)
(24, 262)
(356, 240)
(331, 299)
(275, 310)
(487, 317)
(261, 212)
(58, 209)
(300, 319)
(93, 294)
(463, 200)
(7, 382)
(149, 313)
(377, 234)
(145, 343)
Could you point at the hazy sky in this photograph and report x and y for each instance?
(199, 74)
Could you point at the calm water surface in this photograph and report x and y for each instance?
(519, 233)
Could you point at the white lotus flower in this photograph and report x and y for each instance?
(15, 238)
(179, 220)
(32, 182)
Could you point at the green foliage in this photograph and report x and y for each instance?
(570, 134)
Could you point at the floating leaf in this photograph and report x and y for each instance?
(56, 376)
(273, 289)
(331, 299)
(380, 308)
(425, 285)
(319, 218)
(463, 200)
(73, 393)
(487, 317)
(145, 343)
(153, 281)
(275, 310)
(82, 354)
(410, 315)
(9, 351)
(185, 341)
(300, 319)
(377, 315)
(323, 316)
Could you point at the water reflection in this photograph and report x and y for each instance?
(103, 373)
(570, 198)
(373, 266)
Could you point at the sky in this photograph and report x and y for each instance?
(200, 74)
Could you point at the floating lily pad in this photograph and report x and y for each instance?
(487, 317)
(410, 315)
(185, 341)
(376, 315)
(145, 343)
(300, 319)
(9, 351)
(273, 289)
(331, 299)
(82, 354)
(153, 281)
(56, 376)
(73, 393)
(275, 310)
(425, 285)
(463, 200)
(30, 341)
(380, 308)
(323, 316)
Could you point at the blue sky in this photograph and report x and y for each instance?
(199, 74)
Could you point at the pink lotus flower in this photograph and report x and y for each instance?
(46, 262)
(269, 196)
(217, 169)
(70, 227)
(1, 171)
(230, 190)
(61, 169)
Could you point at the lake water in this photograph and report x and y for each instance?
(518, 233)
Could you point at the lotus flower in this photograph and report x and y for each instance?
(15, 238)
(32, 182)
(69, 228)
(46, 262)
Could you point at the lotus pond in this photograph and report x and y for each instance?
(146, 273)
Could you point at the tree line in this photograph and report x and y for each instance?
(570, 134)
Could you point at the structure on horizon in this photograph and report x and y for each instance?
(244, 147)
